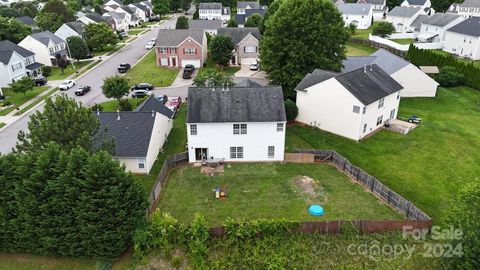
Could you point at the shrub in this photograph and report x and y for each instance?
(383, 29)
(6, 103)
(291, 110)
(352, 28)
(46, 70)
(96, 107)
(124, 105)
(449, 77)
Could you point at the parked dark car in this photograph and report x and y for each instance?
(142, 86)
(122, 68)
(188, 71)
(82, 90)
(140, 93)
(187, 75)
(39, 80)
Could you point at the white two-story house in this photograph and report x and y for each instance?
(69, 29)
(426, 5)
(402, 18)
(353, 104)
(236, 124)
(434, 27)
(46, 47)
(467, 9)
(16, 62)
(380, 8)
(360, 15)
(213, 11)
(463, 39)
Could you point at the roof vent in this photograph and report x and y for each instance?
(227, 88)
(153, 113)
(274, 97)
(118, 115)
(223, 87)
(365, 69)
(238, 100)
(98, 111)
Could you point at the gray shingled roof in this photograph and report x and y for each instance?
(470, 3)
(406, 12)
(247, 83)
(417, 2)
(140, 6)
(238, 104)
(95, 17)
(240, 18)
(386, 60)
(45, 37)
(441, 19)
(116, 15)
(245, 4)
(354, 9)
(369, 84)
(210, 6)
(152, 104)
(7, 48)
(260, 11)
(77, 26)
(26, 20)
(316, 77)
(173, 37)
(374, 2)
(470, 26)
(132, 132)
(238, 34)
(417, 23)
(119, 2)
(204, 24)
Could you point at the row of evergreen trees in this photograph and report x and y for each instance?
(73, 203)
(423, 57)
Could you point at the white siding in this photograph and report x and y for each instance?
(391, 102)
(361, 21)
(463, 45)
(7, 74)
(415, 82)
(42, 55)
(65, 32)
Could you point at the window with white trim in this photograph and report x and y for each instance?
(379, 120)
(271, 151)
(239, 129)
(163, 50)
(141, 163)
(364, 128)
(16, 66)
(279, 127)
(381, 103)
(250, 49)
(193, 129)
(236, 152)
(364, 110)
(190, 51)
(356, 109)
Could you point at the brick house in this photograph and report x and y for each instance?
(180, 47)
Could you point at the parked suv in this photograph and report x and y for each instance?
(188, 71)
(124, 67)
(39, 80)
(142, 86)
(140, 93)
(82, 90)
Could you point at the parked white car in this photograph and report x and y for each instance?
(149, 45)
(65, 85)
(254, 66)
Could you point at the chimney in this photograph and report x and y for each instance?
(118, 115)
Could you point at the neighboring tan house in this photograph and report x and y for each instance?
(69, 29)
(380, 8)
(353, 104)
(45, 46)
(141, 11)
(434, 27)
(213, 11)
(426, 5)
(139, 136)
(208, 26)
(246, 9)
(360, 15)
(463, 39)
(16, 62)
(247, 44)
(467, 9)
(245, 124)
(180, 47)
(415, 82)
(403, 17)
(121, 23)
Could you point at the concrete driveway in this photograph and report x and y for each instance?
(245, 71)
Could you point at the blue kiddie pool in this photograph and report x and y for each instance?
(316, 210)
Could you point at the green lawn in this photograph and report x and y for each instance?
(2, 124)
(56, 73)
(403, 41)
(107, 50)
(33, 262)
(112, 105)
(211, 66)
(147, 71)
(268, 190)
(31, 105)
(428, 165)
(354, 49)
(135, 31)
(18, 99)
(363, 34)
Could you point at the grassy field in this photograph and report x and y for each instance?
(56, 73)
(212, 66)
(404, 41)
(107, 50)
(428, 165)
(363, 33)
(31, 105)
(134, 32)
(32, 262)
(147, 71)
(112, 105)
(18, 99)
(354, 49)
(269, 190)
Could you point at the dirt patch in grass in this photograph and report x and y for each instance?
(176, 260)
(310, 189)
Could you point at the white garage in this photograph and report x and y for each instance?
(194, 62)
(248, 61)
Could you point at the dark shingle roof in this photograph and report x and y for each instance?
(173, 37)
(238, 104)
(151, 104)
(354, 9)
(45, 36)
(204, 24)
(247, 83)
(441, 19)
(26, 20)
(245, 4)
(374, 2)
(260, 11)
(238, 34)
(317, 76)
(209, 6)
(119, 2)
(77, 26)
(7, 48)
(132, 132)
(369, 84)
(386, 60)
(240, 18)
(95, 17)
(417, 23)
(406, 12)
(140, 6)
(470, 26)
(417, 2)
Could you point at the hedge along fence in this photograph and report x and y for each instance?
(407, 208)
(379, 45)
(424, 57)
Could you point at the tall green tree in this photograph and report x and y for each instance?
(58, 7)
(115, 87)
(253, 20)
(49, 21)
(221, 50)
(182, 23)
(8, 12)
(99, 35)
(383, 29)
(13, 30)
(174, 5)
(161, 7)
(232, 23)
(185, 4)
(299, 37)
(22, 85)
(77, 47)
(272, 8)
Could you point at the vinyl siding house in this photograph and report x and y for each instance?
(121, 23)
(426, 5)
(360, 15)
(245, 124)
(463, 39)
(207, 26)
(467, 9)
(45, 46)
(89, 18)
(415, 82)
(433, 29)
(141, 11)
(70, 29)
(180, 47)
(213, 11)
(380, 8)
(353, 104)
(246, 9)
(247, 43)
(403, 17)
(139, 136)
(16, 62)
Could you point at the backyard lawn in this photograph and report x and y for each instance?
(32, 262)
(428, 165)
(354, 49)
(18, 99)
(363, 33)
(403, 41)
(269, 190)
(211, 66)
(112, 105)
(147, 71)
(56, 73)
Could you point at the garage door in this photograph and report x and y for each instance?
(195, 63)
(248, 61)
(164, 61)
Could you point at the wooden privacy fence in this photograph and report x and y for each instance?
(379, 45)
(363, 226)
(411, 211)
(169, 163)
